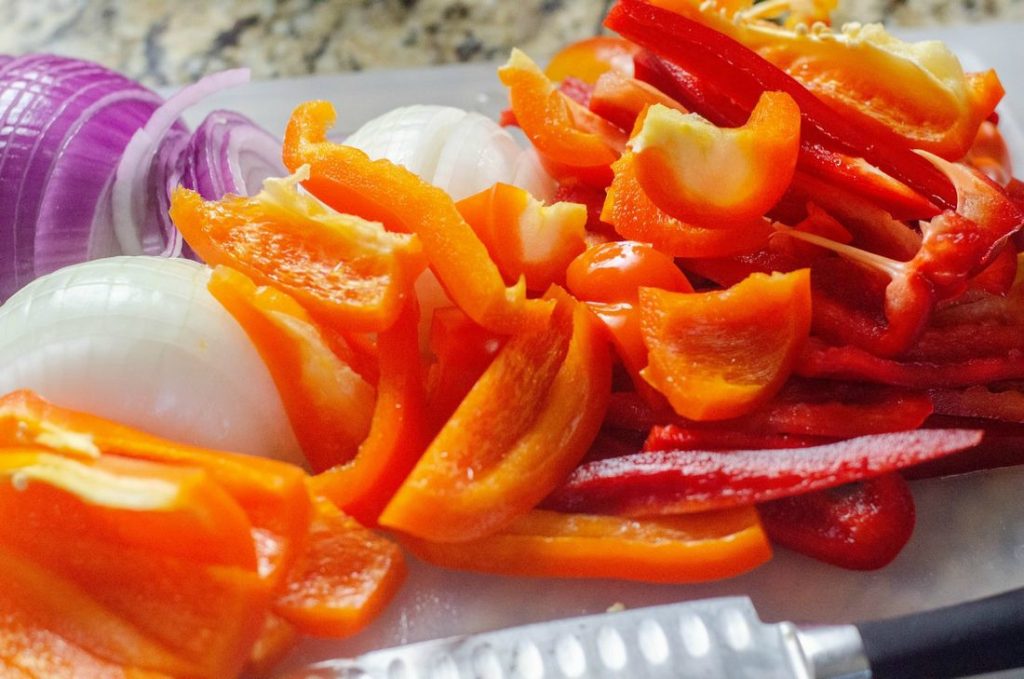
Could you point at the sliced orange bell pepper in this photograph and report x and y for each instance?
(589, 58)
(328, 404)
(525, 424)
(718, 177)
(276, 639)
(347, 574)
(272, 494)
(347, 180)
(677, 549)
(87, 551)
(398, 431)
(629, 209)
(341, 268)
(721, 354)
(615, 272)
(463, 350)
(525, 237)
(572, 141)
(621, 99)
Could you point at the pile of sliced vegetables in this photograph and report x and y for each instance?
(719, 302)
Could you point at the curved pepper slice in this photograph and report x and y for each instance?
(347, 180)
(678, 481)
(329, 405)
(525, 424)
(272, 494)
(634, 215)
(718, 177)
(346, 575)
(84, 554)
(589, 58)
(860, 526)
(621, 99)
(721, 354)
(398, 431)
(571, 141)
(525, 237)
(341, 268)
(676, 549)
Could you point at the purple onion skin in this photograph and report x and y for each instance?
(49, 107)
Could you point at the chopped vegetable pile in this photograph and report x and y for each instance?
(746, 278)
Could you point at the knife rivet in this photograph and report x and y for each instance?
(735, 629)
(572, 660)
(611, 648)
(695, 635)
(528, 662)
(486, 664)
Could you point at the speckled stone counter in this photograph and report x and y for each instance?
(166, 43)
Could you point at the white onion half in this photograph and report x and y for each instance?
(141, 341)
(456, 150)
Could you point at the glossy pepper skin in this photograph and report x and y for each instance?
(523, 426)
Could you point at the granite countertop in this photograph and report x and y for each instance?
(167, 43)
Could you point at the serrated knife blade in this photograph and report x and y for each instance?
(709, 639)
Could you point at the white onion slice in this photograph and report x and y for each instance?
(140, 340)
(460, 152)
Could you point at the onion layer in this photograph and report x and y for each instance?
(140, 340)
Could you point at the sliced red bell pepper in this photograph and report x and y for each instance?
(630, 210)
(860, 526)
(673, 482)
(1002, 446)
(346, 575)
(572, 141)
(526, 423)
(677, 549)
(347, 180)
(343, 269)
(744, 75)
(525, 237)
(721, 354)
(398, 431)
(328, 404)
(718, 177)
(683, 437)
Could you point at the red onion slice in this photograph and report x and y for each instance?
(228, 153)
(132, 190)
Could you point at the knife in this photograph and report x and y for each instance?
(710, 638)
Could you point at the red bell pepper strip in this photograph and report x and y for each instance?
(398, 430)
(860, 526)
(716, 57)
(620, 99)
(674, 549)
(346, 179)
(1002, 446)
(851, 363)
(674, 482)
(980, 401)
(522, 428)
(328, 404)
(689, 437)
(346, 575)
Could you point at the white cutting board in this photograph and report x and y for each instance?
(970, 536)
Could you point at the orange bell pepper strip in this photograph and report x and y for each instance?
(675, 549)
(630, 210)
(328, 404)
(525, 424)
(346, 576)
(87, 551)
(590, 58)
(276, 640)
(718, 177)
(398, 431)
(272, 494)
(620, 99)
(342, 268)
(525, 237)
(347, 180)
(463, 350)
(572, 141)
(721, 354)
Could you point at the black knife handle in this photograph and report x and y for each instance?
(986, 635)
